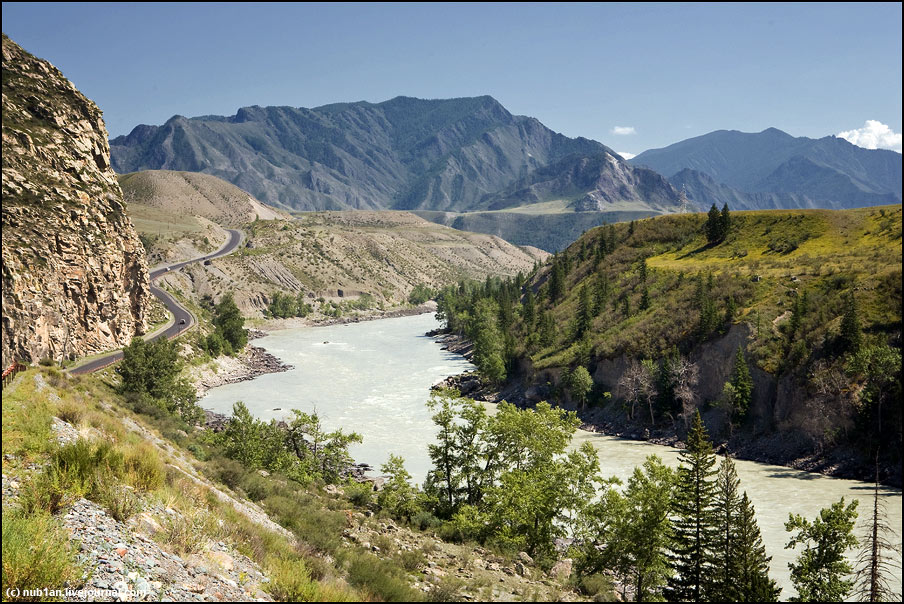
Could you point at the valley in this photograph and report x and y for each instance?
(429, 349)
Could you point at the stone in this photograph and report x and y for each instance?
(562, 569)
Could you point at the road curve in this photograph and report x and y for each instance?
(182, 319)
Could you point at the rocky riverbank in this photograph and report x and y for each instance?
(778, 448)
(253, 362)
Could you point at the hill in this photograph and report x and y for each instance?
(405, 153)
(772, 169)
(194, 194)
(812, 298)
(357, 259)
(74, 272)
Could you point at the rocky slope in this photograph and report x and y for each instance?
(404, 153)
(340, 256)
(75, 278)
(772, 169)
(593, 183)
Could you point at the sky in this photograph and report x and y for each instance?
(632, 76)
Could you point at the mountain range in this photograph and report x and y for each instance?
(457, 155)
(772, 169)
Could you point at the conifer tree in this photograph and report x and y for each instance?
(725, 550)
(724, 223)
(850, 325)
(752, 582)
(713, 225)
(874, 566)
(600, 292)
(528, 310)
(694, 518)
(584, 314)
(742, 384)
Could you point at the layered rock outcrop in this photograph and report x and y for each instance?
(75, 278)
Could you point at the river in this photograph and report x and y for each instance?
(374, 377)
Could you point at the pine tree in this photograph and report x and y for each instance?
(724, 223)
(850, 325)
(694, 518)
(584, 314)
(528, 310)
(742, 384)
(556, 279)
(713, 225)
(600, 293)
(725, 554)
(752, 582)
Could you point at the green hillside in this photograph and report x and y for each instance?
(812, 298)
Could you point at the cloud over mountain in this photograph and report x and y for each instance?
(873, 135)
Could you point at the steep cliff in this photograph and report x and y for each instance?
(75, 279)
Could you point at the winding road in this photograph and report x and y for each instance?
(182, 318)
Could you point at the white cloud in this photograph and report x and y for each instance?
(624, 130)
(873, 135)
(626, 155)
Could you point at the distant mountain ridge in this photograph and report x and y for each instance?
(405, 153)
(772, 169)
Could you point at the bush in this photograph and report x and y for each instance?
(70, 412)
(36, 554)
(359, 493)
(380, 578)
(290, 581)
(144, 470)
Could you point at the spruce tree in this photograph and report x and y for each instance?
(528, 310)
(752, 582)
(850, 325)
(694, 518)
(584, 314)
(724, 223)
(600, 293)
(742, 384)
(713, 225)
(725, 556)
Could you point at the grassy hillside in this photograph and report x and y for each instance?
(657, 315)
(769, 258)
(105, 491)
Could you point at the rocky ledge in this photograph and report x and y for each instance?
(254, 362)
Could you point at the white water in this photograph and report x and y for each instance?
(374, 378)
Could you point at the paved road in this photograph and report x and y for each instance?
(182, 318)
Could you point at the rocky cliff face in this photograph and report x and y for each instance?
(75, 279)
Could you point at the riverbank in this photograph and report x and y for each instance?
(779, 448)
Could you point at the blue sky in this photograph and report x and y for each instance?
(633, 76)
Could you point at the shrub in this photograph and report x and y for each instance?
(380, 578)
(359, 493)
(290, 581)
(36, 554)
(119, 500)
(70, 412)
(144, 470)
